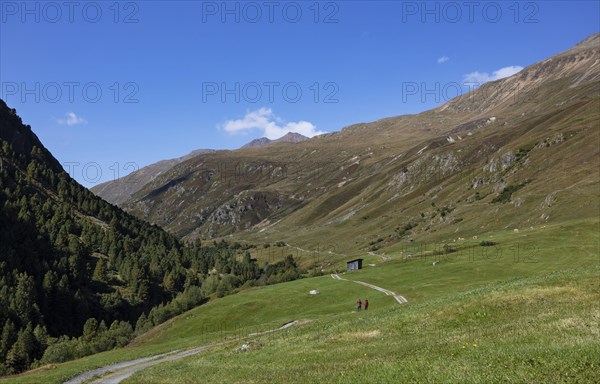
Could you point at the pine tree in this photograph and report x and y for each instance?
(142, 324)
(9, 336)
(25, 297)
(41, 341)
(100, 271)
(169, 282)
(18, 358)
(90, 329)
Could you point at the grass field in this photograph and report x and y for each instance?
(534, 330)
(523, 254)
(231, 317)
(529, 304)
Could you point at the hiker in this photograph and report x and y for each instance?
(358, 304)
(366, 304)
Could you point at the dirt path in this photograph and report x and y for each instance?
(110, 368)
(116, 376)
(115, 373)
(400, 299)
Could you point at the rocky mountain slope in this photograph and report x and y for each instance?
(516, 152)
(120, 190)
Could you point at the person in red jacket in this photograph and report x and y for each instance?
(358, 304)
(366, 304)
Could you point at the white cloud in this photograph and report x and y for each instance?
(443, 59)
(484, 77)
(507, 71)
(72, 119)
(272, 126)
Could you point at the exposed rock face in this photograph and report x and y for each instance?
(245, 210)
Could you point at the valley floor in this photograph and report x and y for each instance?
(468, 319)
(536, 330)
(116, 373)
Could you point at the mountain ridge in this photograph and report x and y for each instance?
(290, 137)
(327, 180)
(118, 191)
(480, 103)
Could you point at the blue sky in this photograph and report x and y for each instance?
(109, 87)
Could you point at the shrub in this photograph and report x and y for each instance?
(94, 341)
(401, 231)
(506, 194)
(448, 249)
(445, 210)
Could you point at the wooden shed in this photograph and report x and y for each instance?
(354, 264)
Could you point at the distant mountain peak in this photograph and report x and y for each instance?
(290, 137)
(257, 143)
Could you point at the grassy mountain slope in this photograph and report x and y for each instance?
(536, 330)
(533, 316)
(119, 191)
(482, 161)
